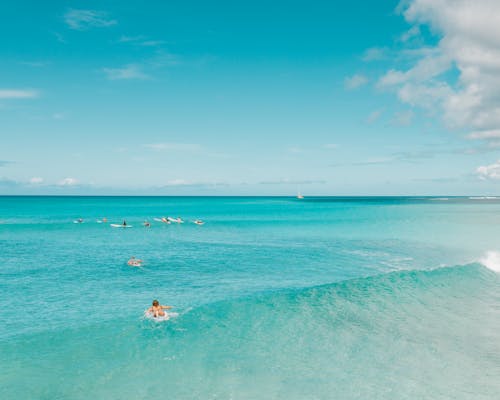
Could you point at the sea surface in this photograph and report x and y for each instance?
(276, 298)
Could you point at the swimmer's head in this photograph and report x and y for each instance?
(156, 303)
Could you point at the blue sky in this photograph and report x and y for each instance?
(257, 98)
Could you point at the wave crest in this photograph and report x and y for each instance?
(491, 260)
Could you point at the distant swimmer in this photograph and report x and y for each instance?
(134, 262)
(198, 222)
(79, 220)
(124, 223)
(146, 224)
(165, 220)
(104, 220)
(156, 310)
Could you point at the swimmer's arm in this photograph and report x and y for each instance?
(166, 307)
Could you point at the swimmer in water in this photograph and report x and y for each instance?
(157, 309)
(134, 262)
(147, 224)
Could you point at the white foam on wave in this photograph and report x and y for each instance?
(491, 260)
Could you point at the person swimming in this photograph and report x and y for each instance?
(156, 310)
(134, 262)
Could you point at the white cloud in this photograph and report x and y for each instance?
(355, 81)
(85, 19)
(489, 171)
(36, 180)
(68, 182)
(468, 46)
(18, 94)
(331, 146)
(130, 71)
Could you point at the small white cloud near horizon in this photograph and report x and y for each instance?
(288, 181)
(36, 180)
(355, 81)
(486, 172)
(18, 94)
(331, 146)
(68, 182)
(85, 19)
(130, 71)
(178, 182)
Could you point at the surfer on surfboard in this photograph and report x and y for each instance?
(134, 262)
(156, 310)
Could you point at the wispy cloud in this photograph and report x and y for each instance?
(374, 54)
(411, 33)
(163, 59)
(375, 161)
(3, 163)
(141, 40)
(403, 118)
(68, 182)
(35, 64)
(18, 94)
(58, 116)
(486, 134)
(190, 147)
(85, 19)
(187, 183)
(286, 181)
(374, 116)
(355, 81)
(294, 149)
(131, 71)
(331, 146)
(36, 180)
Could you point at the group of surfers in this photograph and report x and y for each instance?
(147, 224)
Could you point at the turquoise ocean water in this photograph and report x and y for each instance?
(277, 298)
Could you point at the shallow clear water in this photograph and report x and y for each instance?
(277, 298)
